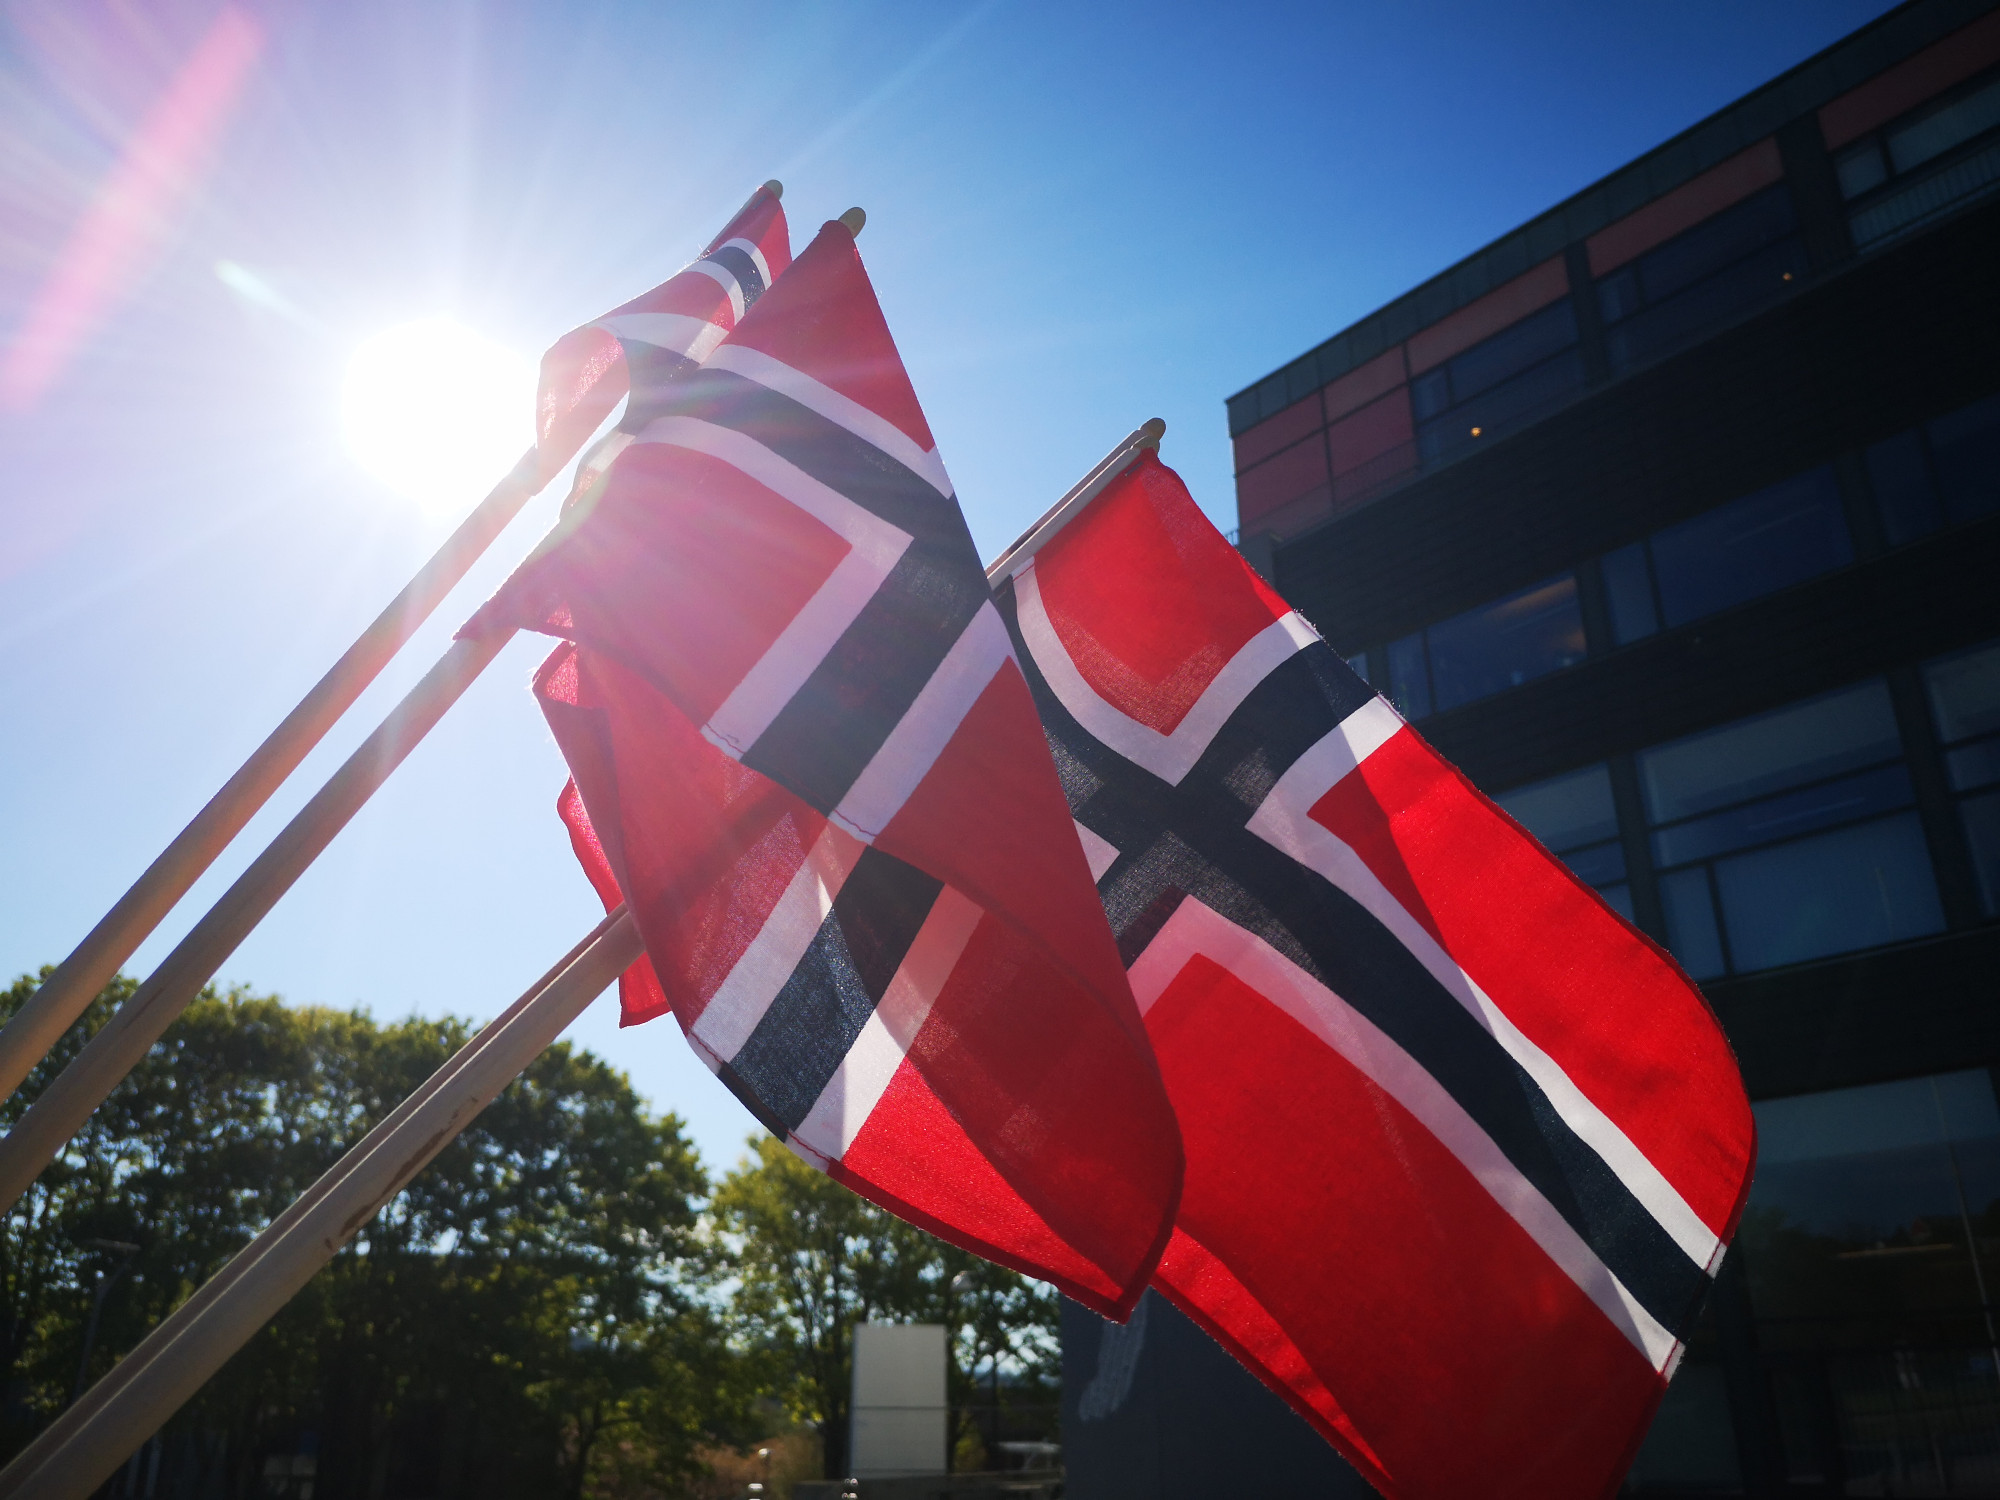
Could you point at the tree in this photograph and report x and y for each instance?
(811, 1259)
(522, 1319)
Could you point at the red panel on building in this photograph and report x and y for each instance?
(1293, 474)
(1505, 305)
(1370, 432)
(1686, 206)
(1281, 431)
(1364, 383)
(1933, 70)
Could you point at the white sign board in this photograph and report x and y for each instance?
(900, 1416)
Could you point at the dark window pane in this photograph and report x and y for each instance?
(1618, 294)
(1938, 130)
(1692, 1442)
(1847, 1175)
(1358, 665)
(1506, 643)
(1730, 293)
(1715, 243)
(1628, 590)
(1691, 931)
(1619, 899)
(1755, 757)
(1965, 445)
(1430, 393)
(1834, 893)
(1409, 681)
(1901, 478)
(1597, 865)
(1965, 693)
(1861, 168)
(1924, 196)
(1513, 350)
(1974, 765)
(1982, 833)
(1565, 811)
(1507, 405)
(1751, 547)
(1785, 815)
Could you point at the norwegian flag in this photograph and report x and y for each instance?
(1463, 1149)
(805, 754)
(657, 337)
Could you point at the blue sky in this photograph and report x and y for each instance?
(1079, 217)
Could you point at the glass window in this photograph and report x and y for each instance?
(1691, 931)
(1938, 129)
(1924, 165)
(1981, 817)
(1860, 168)
(1498, 383)
(1899, 472)
(1751, 547)
(1506, 643)
(1573, 816)
(1965, 450)
(1358, 665)
(1857, 887)
(1754, 757)
(1723, 267)
(1944, 472)
(1868, 1246)
(1965, 705)
(1409, 677)
(1789, 836)
(1628, 591)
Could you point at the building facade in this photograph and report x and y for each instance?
(1673, 518)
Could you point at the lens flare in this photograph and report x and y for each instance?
(437, 412)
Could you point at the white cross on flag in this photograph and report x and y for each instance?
(1463, 1148)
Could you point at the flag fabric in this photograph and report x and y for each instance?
(1463, 1149)
(804, 753)
(657, 337)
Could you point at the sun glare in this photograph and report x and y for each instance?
(436, 412)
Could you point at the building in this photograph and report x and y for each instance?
(1673, 517)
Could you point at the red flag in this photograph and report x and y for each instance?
(1463, 1148)
(660, 335)
(810, 763)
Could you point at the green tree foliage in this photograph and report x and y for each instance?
(520, 1320)
(809, 1259)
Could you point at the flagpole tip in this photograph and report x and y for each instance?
(775, 188)
(853, 219)
(1151, 431)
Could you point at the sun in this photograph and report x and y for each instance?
(437, 412)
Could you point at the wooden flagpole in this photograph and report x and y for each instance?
(88, 1442)
(1143, 438)
(61, 1108)
(63, 996)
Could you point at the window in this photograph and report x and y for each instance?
(1923, 165)
(1869, 1249)
(1965, 704)
(1789, 836)
(1358, 665)
(1485, 650)
(1573, 816)
(1736, 552)
(1944, 473)
(1506, 380)
(1725, 266)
